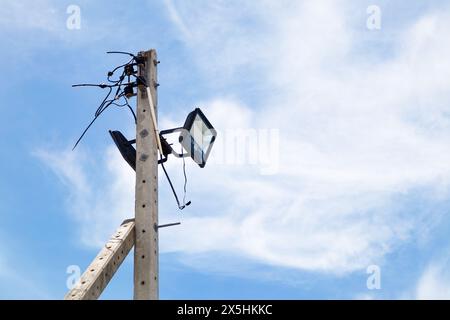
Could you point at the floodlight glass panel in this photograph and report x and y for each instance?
(198, 137)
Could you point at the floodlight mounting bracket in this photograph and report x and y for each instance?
(163, 141)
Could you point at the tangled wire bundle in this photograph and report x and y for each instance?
(123, 91)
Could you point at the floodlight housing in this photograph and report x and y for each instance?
(198, 137)
(125, 147)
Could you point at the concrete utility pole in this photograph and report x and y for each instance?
(142, 232)
(146, 276)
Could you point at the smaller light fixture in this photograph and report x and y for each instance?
(125, 147)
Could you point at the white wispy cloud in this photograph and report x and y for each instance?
(28, 25)
(357, 134)
(177, 20)
(40, 15)
(434, 283)
(99, 204)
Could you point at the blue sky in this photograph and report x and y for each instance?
(347, 164)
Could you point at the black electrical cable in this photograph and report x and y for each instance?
(122, 52)
(97, 114)
(117, 96)
(171, 186)
(111, 73)
(131, 110)
(181, 207)
(101, 85)
(185, 179)
(126, 104)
